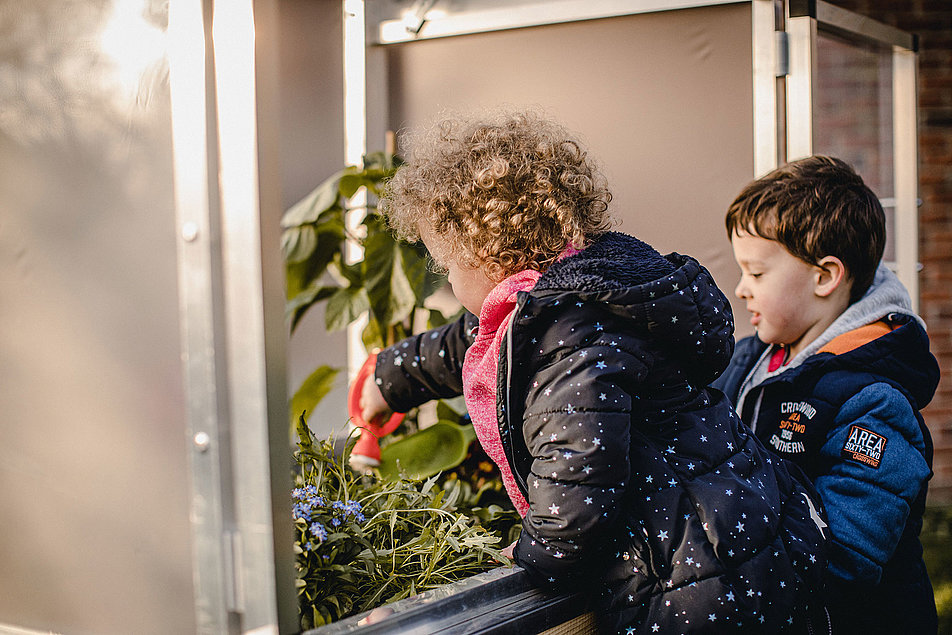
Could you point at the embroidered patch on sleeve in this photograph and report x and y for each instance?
(864, 447)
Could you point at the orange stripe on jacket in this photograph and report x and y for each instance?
(858, 337)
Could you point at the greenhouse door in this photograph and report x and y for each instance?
(851, 93)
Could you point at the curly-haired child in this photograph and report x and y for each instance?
(584, 375)
(834, 380)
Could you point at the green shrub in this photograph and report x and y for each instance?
(937, 552)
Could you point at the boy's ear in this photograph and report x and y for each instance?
(830, 276)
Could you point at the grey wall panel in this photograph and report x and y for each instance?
(312, 149)
(94, 528)
(663, 100)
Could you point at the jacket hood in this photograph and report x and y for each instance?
(902, 355)
(886, 297)
(673, 298)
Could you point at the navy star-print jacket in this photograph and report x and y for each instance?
(641, 482)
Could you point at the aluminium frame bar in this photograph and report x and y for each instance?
(806, 19)
(518, 15)
(838, 20)
(766, 54)
(231, 298)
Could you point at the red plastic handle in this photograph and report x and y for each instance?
(353, 404)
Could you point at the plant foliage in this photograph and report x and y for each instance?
(368, 539)
(391, 281)
(364, 541)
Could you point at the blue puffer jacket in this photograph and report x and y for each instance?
(641, 482)
(846, 410)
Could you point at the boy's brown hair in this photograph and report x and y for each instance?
(816, 207)
(508, 190)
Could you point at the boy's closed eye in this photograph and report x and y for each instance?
(751, 272)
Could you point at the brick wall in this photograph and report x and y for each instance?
(931, 20)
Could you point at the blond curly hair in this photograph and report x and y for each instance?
(506, 191)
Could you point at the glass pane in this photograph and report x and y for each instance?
(854, 114)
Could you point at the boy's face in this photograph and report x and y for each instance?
(470, 286)
(780, 290)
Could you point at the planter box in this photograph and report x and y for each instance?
(496, 602)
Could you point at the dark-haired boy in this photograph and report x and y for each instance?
(834, 380)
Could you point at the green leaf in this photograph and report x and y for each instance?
(296, 281)
(322, 616)
(332, 600)
(299, 304)
(345, 306)
(372, 337)
(353, 273)
(329, 234)
(382, 161)
(305, 439)
(434, 449)
(445, 411)
(312, 390)
(350, 183)
(435, 318)
(389, 291)
(298, 243)
(322, 198)
(424, 281)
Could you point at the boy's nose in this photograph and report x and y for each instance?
(740, 291)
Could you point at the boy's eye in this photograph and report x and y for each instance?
(755, 275)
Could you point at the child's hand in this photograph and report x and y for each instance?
(372, 403)
(508, 550)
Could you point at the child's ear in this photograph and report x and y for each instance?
(830, 275)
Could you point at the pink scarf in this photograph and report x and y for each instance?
(480, 367)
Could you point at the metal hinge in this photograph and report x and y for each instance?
(782, 43)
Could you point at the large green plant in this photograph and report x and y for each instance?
(364, 540)
(390, 283)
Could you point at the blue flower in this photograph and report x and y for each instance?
(319, 532)
(306, 502)
(301, 510)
